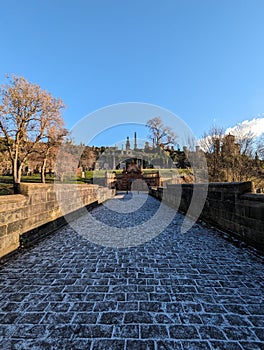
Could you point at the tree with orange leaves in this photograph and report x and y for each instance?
(28, 115)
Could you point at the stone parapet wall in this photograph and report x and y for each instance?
(228, 206)
(40, 208)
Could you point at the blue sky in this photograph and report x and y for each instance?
(200, 59)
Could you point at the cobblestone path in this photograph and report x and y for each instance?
(178, 291)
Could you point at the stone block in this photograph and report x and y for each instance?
(239, 209)
(10, 216)
(249, 222)
(8, 243)
(3, 230)
(229, 197)
(38, 197)
(12, 202)
(231, 187)
(33, 188)
(15, 227)
(255, 211)
(51, 196)
(214, 195)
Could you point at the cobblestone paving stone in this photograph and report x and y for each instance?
(178, 291)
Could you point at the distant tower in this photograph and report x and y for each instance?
(114, 160)
(127, 144)
(135, 140)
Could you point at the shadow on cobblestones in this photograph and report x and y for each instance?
(177, 291)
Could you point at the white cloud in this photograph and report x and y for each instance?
(254, 126)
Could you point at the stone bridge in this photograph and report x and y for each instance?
(174, 290)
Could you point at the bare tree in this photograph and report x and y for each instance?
(160, 134)
(230, 157)
(55, 135)
(27, 116)
(211, 144)
(245, 138)
(260, 147)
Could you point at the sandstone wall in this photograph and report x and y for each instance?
(36, 211)
(228, 206)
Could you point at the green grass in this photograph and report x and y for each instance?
(6, 181)
(6, 189)
(32, 178)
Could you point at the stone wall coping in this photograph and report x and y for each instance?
(42, 185)
(231, 187)
(253, 197)
(29, 188)
(215, 184)
(12, 198)
(259, 197)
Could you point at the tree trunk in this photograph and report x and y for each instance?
(43, 168)
(17, 169)
(19, 173)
